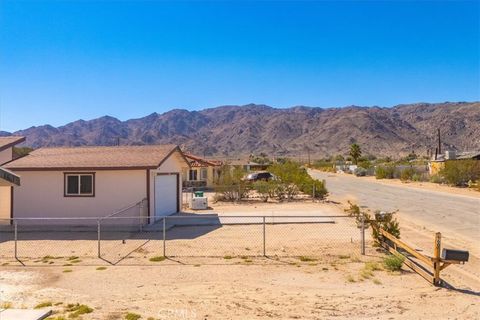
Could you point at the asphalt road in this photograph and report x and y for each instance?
(456, 215)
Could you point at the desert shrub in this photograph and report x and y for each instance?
(132, 316)
(385, 172)
(387, 222)
(294, 179)
(383, 220)
(436, 178)
(459, 172)
(393, 262)
(264, 189)
(365, 164)
(354, 211)
(230, 185)
(407, 174)
(417, 177)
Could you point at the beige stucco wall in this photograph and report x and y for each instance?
(210, 174)
(42, 194)
(174, 164)
(6, 155)
(5, 199)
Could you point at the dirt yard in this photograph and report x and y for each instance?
(333, 283)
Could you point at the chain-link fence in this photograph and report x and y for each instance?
(130, 240)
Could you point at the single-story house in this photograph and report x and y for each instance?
(98, 181)
(438, 161)
(202, 172)
(248, 165)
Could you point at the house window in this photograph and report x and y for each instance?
(192, 175)
(203, 174)
(79, 184)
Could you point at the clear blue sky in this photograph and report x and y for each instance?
(62, 61)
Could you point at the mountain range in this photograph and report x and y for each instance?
(229, 131)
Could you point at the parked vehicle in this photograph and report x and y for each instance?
(259, 176)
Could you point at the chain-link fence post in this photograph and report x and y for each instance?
(313, 192)
(362, 235)
(264, 238)
(15, 235)
(99, 253)
(164, 237)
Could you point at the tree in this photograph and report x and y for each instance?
(355, 152)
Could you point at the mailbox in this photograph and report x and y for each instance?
(455, 255)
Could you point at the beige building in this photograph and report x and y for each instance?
(93, 182)
(202, 172)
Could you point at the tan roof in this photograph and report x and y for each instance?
(118, 157)
(7, 142)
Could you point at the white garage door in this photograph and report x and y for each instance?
(166, 195)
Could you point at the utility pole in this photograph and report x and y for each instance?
(439, 142)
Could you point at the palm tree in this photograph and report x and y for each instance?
(355, 152)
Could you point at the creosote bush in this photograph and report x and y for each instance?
(385, 172)
(383, 220)
(230, 185)
(393, 262)
(460, 172)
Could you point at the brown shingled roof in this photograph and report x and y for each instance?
(118, 157)
(10, 141)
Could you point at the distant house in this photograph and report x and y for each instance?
(438, 163)
(202, 172)
(248, 165)
(97, 181)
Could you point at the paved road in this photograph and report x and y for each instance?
(452, 214)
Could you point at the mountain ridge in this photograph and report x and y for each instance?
(232, 130)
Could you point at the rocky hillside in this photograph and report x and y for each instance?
(241, 130)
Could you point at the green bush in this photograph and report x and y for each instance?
(365, 164)
(230, 185)
(459, 172)
(294, 179)
(387, 222)
(407, 174)
(393, 262)
(264, 189)
(385, 172)
(436, 178)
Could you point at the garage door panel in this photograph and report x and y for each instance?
(166, 195)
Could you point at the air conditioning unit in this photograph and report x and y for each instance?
(199, 203)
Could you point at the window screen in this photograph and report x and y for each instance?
(72, 184)
(86, 184)
(79, 184)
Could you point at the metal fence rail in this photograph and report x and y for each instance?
(129, 240)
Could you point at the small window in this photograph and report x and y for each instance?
(192, 175)
(203, 174)
(77, 184)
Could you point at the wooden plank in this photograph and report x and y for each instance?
(407, 248)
